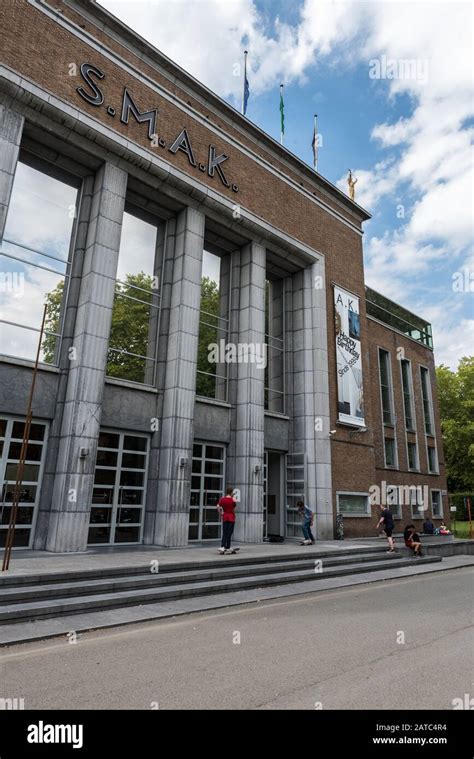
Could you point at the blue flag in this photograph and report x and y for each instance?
(246, 93)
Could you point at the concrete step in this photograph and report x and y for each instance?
(55, 607)
(221, 570)
(239, 559)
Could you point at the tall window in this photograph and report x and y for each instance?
(275, 346)
(34, 262)
(213, 352)
(407, 395)
(393, 501)
(390, 452)
(412, 456)
(432, 460)
(436, 504)
(426, 395)
(386, 386)
(135, 315)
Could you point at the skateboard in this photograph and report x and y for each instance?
(233, 550)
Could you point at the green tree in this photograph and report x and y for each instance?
(208, 334)
(51, 324)
(129, 332)
(456, 401)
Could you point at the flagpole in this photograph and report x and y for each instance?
(315, 151)
(243, 84)
(282, 133)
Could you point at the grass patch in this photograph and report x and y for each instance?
(462, 529)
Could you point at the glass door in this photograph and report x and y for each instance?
(265, 494)
(295, 491)
(118, 498)
(207, 486)
(11, 440)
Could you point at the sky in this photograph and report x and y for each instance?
(391, 83)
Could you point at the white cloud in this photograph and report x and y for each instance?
(427, 164)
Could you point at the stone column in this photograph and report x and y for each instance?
(310, 422)
(72, 492)
(11, 129)
(174, 483)
(323, 468)
(246, 451)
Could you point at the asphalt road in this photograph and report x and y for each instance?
(340, 649)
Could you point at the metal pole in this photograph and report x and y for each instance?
(315, 141)
(21, 463)
(243, 84)
(282, 134)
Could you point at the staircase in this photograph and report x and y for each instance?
(26, 598)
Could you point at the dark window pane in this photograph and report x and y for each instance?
(133, 461)
(213, 467)
(33, 452)
(132, 497)
(213, 483)
(108, 440)
(132, 443)
(27, 493)
(132, 478)
(389, 452)
(214, 452)
(100, 516)
(211, 515)
(211, 499)
(126, 516)
(103, 495)
(36, 431)
(106, 458)
(104, 477)
(98, 535)
(193, 532)
(194, 515)
(127, 534)
(197, 450)
(210, 531)
(3, 427)
(20, 540)
(30, 472)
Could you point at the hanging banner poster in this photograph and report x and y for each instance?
(348, 358)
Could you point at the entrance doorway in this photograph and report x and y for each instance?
(273, 489)
(11, 440)
(207, 486)
(118, 498)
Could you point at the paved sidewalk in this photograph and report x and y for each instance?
(45, 562)
(53, 627)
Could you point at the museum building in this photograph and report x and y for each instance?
(207, 320)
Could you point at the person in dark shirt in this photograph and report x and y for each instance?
(428, 526)
(386, 518)
(412, 539)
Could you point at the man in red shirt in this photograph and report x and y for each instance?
(226, 508)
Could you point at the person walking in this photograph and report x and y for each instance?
(307, 519)
(386, 518)
(226, 508)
